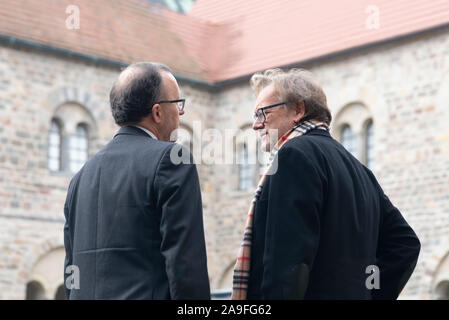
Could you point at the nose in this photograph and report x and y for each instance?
(181, 112)
(257, 125)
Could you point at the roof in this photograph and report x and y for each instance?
(264, 33)
(119, 30)
(181, 6)
(218, 40)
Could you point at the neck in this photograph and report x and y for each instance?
(150, 127)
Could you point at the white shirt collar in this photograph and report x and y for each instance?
(151, 134)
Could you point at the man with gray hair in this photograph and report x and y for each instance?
(134, 225)
(319, 226)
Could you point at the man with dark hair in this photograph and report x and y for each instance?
(320, 225)
(134, 226)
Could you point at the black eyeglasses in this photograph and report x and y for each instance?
(260, 113)
(180, 103)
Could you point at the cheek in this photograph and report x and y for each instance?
(175, 116)
(272, 121)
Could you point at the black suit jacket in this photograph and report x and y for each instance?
(134, 224)
(321, 220)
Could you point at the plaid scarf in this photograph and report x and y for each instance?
(242, 265)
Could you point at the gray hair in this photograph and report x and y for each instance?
(293, 86)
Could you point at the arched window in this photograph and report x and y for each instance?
(442, 290)
(369, 145)
(44, 278)
(245, 169)
(440, 282)
(73, 133)
(355, 126)
(349, 140)
(246, 154)
(78, 148)
(35, 291)
(60, 293)
(54, 147)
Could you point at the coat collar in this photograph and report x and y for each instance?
(131, 130)
(319, 132)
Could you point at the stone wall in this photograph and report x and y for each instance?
(403, 84)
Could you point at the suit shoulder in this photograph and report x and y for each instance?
(157, 146)
(317, 149)
(297, 149)
(148, 148)
(302, 143)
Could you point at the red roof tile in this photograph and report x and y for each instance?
(217, 40)
(121, 30)
(275, 33)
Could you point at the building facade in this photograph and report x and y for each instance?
(390, 106)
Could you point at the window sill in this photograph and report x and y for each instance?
(64, 174)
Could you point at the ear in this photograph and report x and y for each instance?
(300, 110)
(156, 113)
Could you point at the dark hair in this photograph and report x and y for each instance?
(133, 97)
